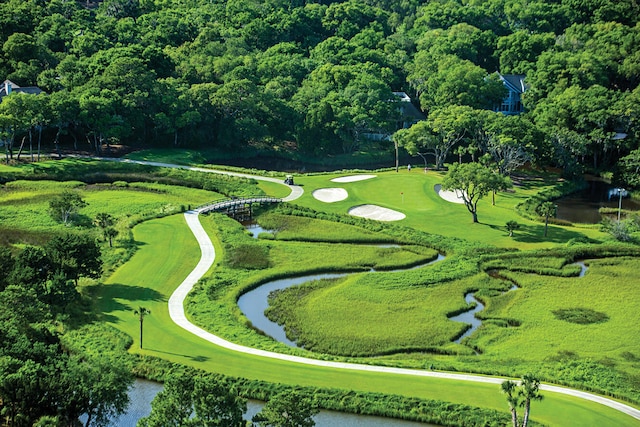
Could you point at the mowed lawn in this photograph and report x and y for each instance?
(413, 194)
(167, 252)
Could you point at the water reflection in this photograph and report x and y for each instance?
(143, 392)
(256, 229)
(582, 207)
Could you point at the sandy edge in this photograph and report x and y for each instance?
(352, 178)
(449, 196)
(330, 195)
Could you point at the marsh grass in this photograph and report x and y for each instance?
(24, 204)
(520, 334)
(319, 230)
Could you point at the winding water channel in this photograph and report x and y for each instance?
(469, 316)
(254, 303)
(178, 316)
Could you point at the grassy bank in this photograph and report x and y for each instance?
(408, 311)
(138, 282)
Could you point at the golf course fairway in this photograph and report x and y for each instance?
(167, 253)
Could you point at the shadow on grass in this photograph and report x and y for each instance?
(535, 234)
(188, 356)
(109, 299)
(12, 235)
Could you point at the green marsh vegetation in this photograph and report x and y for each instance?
(401, 318)
(313, 241)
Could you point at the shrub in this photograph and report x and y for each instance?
(581, 316)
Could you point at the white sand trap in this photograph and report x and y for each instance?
(330, 195)
(376, 212)
(353, 178)
(449, 196)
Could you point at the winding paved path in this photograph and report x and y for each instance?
(177, 313)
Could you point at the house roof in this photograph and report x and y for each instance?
(9, 87)
(515, 82)
(408, 109)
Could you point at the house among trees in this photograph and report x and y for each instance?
(9, 87)
(409, 115)
(512, 104)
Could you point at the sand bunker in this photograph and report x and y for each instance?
(352, 178)
(330, 195)
(449, 196)
(376, 212)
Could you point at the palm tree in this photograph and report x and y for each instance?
(110, 233)
(513, 398)
(546, 209)
(511, 227)
(105, 222)
(529, 390)
(141, 312)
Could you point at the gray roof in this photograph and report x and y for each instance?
(515, 82)
(8, 84)
(408, 109)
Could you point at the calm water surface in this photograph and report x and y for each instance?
(582, 207)
(255, 302)
(144, 391)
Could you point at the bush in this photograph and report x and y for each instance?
(581, 316)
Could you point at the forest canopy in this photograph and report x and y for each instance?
(320, 76)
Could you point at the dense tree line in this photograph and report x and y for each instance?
(41, 381)
(319, 75)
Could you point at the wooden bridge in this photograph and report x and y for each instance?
(239, 208)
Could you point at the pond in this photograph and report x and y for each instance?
(143, 392)
(582, 207)
(255, 228)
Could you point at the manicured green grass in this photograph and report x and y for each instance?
(273, 189)
(413, 194)
(25, 204)
(179, 157)
(168, 251)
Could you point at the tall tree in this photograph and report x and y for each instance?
(529, 390)
(546, 210)
(290, 409)
(444, 80)
(474, 181)
(196, 401)
(74, 256)
(95, 387)
(630, 169)
(141, 312)
(105, 222)
(62, 207)
(510, 388)
(31, 270)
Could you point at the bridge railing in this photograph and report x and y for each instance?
(235, 201)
